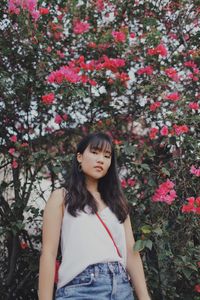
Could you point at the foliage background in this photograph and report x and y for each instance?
(131, 69)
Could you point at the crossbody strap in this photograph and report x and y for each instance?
(109, 233)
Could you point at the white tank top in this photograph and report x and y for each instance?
(85, 241)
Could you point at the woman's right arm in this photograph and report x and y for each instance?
(52, 220)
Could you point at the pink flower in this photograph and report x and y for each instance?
(48, 98)
(123, 183)
(179, 129)
(13, 138)
(194, 105)
(172, 73)
(80, 27)
(154, 106)
(11, 151)
(195, 171)
(146, 70)
(44, 11)
(197, 288)
(131, 182)
(164, 131)
(153, 132)
(65, 117)
(64, 73)
(159, 50)
(132, 35)
(14, 164)
(193, 205)
(119, 36)
(173, 96)
(165, 193)
(100, 5)
(58, 119)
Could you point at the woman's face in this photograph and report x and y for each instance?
(94, 162)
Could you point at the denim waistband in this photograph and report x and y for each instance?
(104, 268)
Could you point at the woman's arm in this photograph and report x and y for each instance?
(134, 264)
(52, 220)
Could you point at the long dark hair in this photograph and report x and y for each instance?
(109, 186)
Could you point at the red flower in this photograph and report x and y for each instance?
(119, 36)
(23, 245)
(179, 129)
(13, 138)
(131, 182)
(11, 151)
(123, 183)
(159, 50)
(197, 288)
(173, 96)
(164, 131)
(153, 132)
(132, 35)
(44, 11)
(165, 193)
(195, 171)
(58, 119)
(48, 98)
(146, 70)
(194, 105)
(14, 164)
(193, 205)
(154, 106)
(172, 73)
(80, 27)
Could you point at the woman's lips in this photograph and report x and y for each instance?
(99, 168)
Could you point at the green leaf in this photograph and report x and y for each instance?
(165, 171)
(145, 167)
(148, 244)
(146, 229)
(139, 245)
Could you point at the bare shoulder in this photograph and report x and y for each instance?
(57, 198)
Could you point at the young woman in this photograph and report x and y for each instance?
(97, 241)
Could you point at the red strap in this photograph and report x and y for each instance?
(108, 231)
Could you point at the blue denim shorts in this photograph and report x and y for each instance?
(102, 281)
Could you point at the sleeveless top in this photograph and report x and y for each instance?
(85, 241)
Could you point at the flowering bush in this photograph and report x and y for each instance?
(129, 68)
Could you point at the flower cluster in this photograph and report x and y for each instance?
(119, 36)
(146, 70)
(14, 7)
(48, 98)
(125, 183)
(193, 205)
(165, 193)
(80, 27)
(195, 171)
(159, 50)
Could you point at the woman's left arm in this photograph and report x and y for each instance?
(134, 264)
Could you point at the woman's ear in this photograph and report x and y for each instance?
(79, 157)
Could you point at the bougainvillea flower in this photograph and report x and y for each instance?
(173, 96)
(195, 171)
(153, 133)
(154, 106)
(159, 50)
(119, 36)
(193, 205)
(80, 27)
(48, 98)
(164, 131)
(13, 138)
(180, 129)
(194, 105)
(146, 70)
(165, 193)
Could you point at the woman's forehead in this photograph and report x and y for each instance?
(101, 145)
